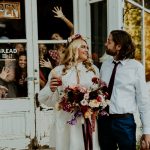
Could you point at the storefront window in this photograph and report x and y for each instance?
(12, 19)
(49, 22)
(13, 70)
(132, 24)
(98, 30)
(147, 44)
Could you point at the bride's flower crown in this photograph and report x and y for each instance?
(74, 37)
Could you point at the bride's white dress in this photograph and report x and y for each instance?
(69, 137)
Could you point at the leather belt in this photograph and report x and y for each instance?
(120, 115)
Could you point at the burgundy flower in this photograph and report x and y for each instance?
(86, 102)
(59, 82)
(95, 80)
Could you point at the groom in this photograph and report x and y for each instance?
(128, 91)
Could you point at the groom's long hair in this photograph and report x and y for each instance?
(125, 41)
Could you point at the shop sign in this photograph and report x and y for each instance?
(10, 10)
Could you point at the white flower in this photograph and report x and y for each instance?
(103, 104)
(69, 39)
(94, 103)
(84, 102)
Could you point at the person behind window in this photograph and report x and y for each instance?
(76, 68)
(20, 47)
(51, 58)
(7, 77)
(21, 75)
(57, 49)
(45, 65)
(48, 60)
(56, 36)
(3, 92)
(59, 14)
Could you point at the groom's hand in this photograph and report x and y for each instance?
(145, 142)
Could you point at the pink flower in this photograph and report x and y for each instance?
(100, 98)
(86, 96)
(83, 89)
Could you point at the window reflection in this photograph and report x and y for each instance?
(13, 70)
(147, 44)
(132, 24)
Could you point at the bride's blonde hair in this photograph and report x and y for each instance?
(71, 55)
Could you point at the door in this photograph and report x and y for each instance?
(17, 107)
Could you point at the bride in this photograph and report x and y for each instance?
(76, 69)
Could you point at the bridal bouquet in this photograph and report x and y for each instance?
(83, 102)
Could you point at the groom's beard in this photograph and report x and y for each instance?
(110, 52)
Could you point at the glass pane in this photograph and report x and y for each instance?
(147, 4)
(13, 70)
(49, 57)
(98, 30)
(139, 1)
(12, 19)
(49, 22)
(132, 24)
(147, 44)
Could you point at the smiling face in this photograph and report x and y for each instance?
(42, 50)
(83, 51)
(22, 61)
(76, 51)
